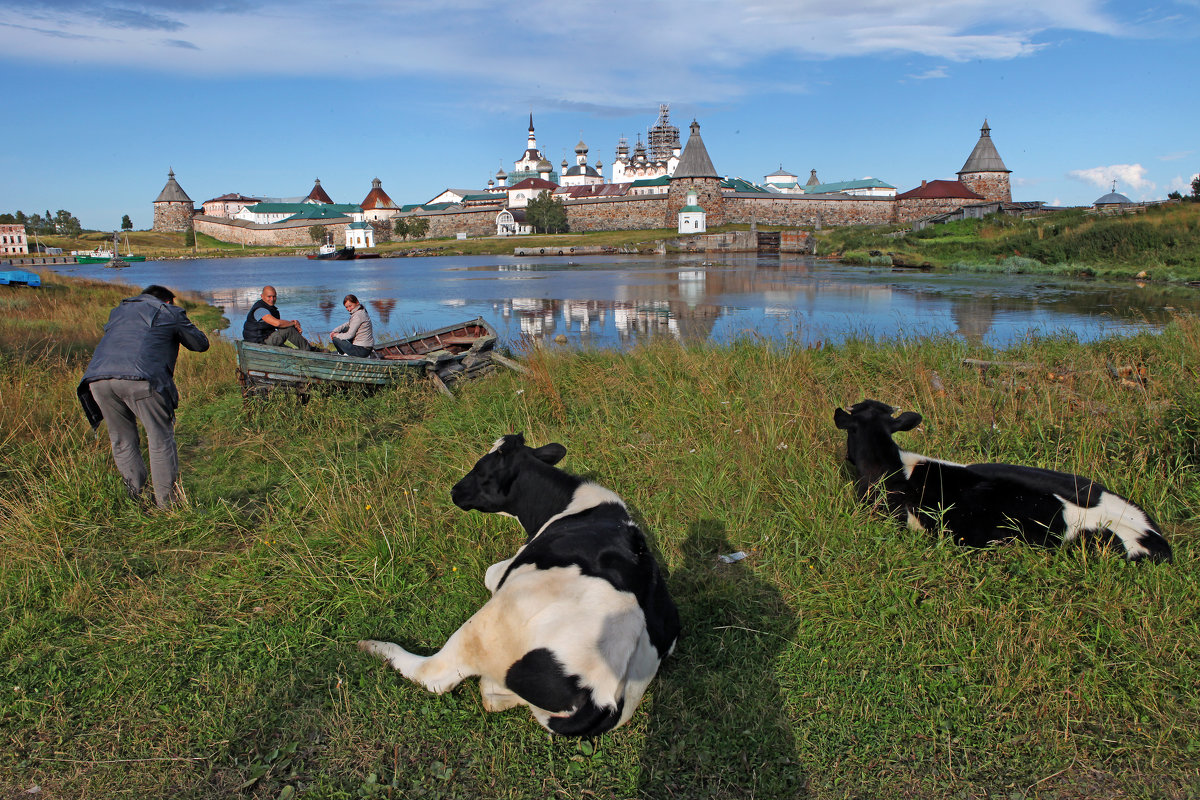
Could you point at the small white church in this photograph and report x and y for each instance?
(692, 218)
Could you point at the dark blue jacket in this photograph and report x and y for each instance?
(141, 342)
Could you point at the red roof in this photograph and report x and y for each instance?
(318, 195)
(938, 190)
(377, 198)
(534, 183)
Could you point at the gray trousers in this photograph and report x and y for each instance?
(280, 336)
(124, 403)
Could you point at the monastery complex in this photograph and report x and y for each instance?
(662, 183)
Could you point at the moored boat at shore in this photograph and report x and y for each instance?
(108, 255)
(328, 252)
(97, 256)
(455, 352)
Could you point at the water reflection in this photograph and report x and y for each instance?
(617, 301)
(383, 310)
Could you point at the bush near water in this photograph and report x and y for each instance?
(209, 652)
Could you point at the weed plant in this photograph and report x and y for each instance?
(209, 651)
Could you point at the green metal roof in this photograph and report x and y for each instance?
(662, 180)
(697, 209)
(742, 185)
(866, 183)
(324, 211)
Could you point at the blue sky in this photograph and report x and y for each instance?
(260, 97)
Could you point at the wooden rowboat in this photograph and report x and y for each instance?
(445, 355)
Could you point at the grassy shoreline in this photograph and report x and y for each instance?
(210, 652)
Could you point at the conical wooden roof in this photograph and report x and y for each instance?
(694, 162)
(318, 195)
(172, 192)
(984, 157)
(377, 197)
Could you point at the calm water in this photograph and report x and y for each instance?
(617, 301)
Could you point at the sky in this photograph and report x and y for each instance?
(101, 98)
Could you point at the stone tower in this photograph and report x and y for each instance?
(695, 171)
(985, 173)
(173, 210)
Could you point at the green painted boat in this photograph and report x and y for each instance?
(445, 355)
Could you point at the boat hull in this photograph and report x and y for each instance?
(20, 277)
(451, 353)
(106, 259)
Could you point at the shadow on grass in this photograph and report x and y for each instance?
(718, 727)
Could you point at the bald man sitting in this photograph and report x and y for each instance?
(264, 326)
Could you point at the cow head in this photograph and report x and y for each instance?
(869, 427)
(488, 487)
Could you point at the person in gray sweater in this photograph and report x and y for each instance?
(131, 379)
(354, 337)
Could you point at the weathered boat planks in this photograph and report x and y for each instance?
(446, 355)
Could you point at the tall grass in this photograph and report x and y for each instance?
(209, 651)
(1164, 241)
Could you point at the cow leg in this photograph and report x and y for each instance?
(496, 697)
(438, 673)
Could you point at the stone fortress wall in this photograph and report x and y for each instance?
(641, 212)
(173, 217)
(280, 234)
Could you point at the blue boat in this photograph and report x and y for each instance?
(19, 277)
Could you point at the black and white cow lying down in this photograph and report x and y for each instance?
(579, 618)
(982, 503)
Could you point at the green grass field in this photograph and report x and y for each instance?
(210, 651)
(1162, 243)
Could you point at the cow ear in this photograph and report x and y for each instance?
(906, 421)
(550, 453)
(517, 439)
(841, 419)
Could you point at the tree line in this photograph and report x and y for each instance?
(61, 223)
(1195, 195)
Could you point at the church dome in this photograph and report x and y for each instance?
(1113, 198)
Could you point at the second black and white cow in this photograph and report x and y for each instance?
(982, 503)
(579, 619)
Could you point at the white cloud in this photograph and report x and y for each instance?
(1130, 176)
(1181, 184)
(1176, 156)
(936, 72)
(586, 51)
